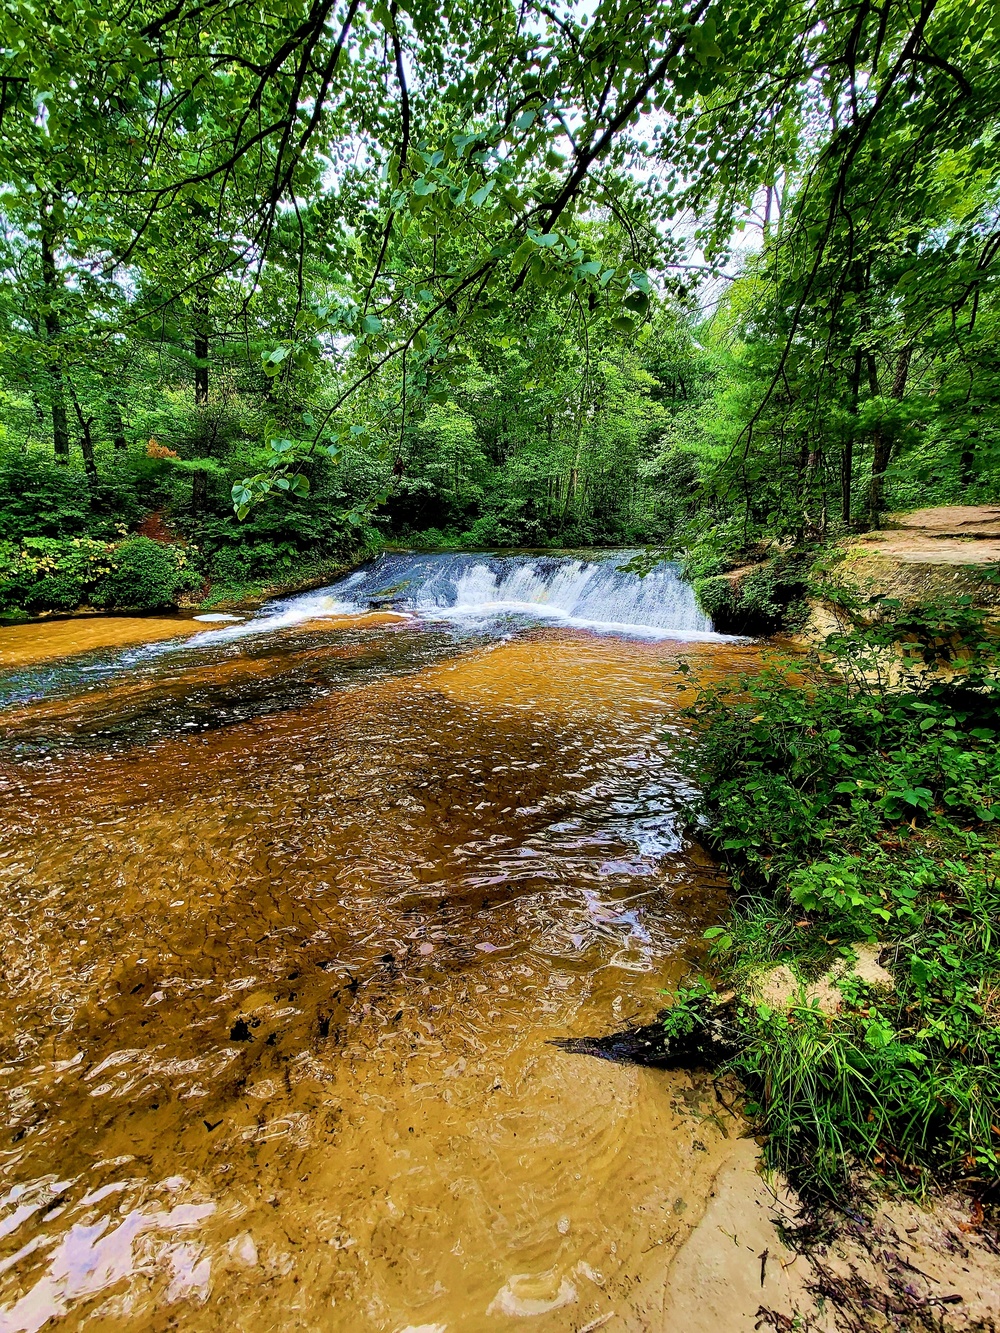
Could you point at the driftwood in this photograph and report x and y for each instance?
(713, 1038)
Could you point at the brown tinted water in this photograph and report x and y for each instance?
(287, 931)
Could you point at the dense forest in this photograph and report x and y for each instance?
(698, 277)
(290, 281)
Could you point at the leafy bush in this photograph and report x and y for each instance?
(769, 596)
(432, 539)
(62, 573)
(144, 575)
(854, 798)
(50, 573)
(42, 498)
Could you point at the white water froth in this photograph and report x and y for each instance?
(479, 591)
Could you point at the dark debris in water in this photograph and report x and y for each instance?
(713, 1039)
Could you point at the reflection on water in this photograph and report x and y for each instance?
(279, 984)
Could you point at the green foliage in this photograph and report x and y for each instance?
(40, 499)
(144, 575)
(62, 573)
(495, 327)
(859, 791)
(687, 1009)
(767, 596)
(50, 573)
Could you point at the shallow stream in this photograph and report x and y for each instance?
(292, 907)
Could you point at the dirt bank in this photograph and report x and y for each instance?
(917, 557)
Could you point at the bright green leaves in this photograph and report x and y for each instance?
(700, 41)
(721, 939)
(271, 362)
(480, 196)
(285, 459)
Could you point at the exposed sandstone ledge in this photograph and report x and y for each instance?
(930, 553)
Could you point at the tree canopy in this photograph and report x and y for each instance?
(506, 264)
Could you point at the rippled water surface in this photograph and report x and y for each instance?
(289, 919)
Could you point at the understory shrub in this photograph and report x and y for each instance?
(50, 573)
(769, 596)
(854, 798)
(144, 575)
(62, 573)
(40, 497)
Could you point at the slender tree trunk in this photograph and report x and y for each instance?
(86, 438)
(53, 328)
(201, 329)
(116, 426)
(882, 443)
(902, 373)
(967, 466)
(199, 491)
(847, 459)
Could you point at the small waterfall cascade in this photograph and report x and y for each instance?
(595, 591)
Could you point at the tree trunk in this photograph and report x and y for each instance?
(873, 384)
(201, 347)
(199, 491)
(116, 426)
(967, 465)
(86, 438)
(53, 328)
(847, 459)
(882, 443)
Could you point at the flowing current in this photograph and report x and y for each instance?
(478, 591)
(291, 909)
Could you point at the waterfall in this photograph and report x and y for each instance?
(478, 590)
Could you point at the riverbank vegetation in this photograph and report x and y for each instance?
(280, 285)
(853, 799)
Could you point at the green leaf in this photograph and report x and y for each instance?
(525, 120)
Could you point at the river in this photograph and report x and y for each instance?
(293, 906)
